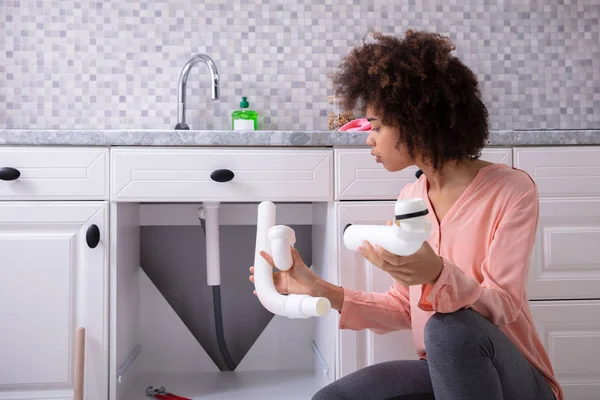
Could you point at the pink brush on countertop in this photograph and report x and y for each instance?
(360, 124)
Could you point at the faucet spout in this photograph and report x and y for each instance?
(181, 87)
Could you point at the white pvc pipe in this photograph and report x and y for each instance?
(276, 240)
(213, 261)
(403, 238)
(282, 238)
(384, 236)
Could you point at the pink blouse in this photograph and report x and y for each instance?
(485, 241)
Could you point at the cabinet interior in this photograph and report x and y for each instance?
(163, 325)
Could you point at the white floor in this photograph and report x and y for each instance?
(263, 385)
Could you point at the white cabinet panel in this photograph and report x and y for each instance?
(364, 348)
(566, 257)
(562, 171)
(178, 175)
(359, 177)
(570, 331)
(497, 155)
(51, 283)
(565, 261)
(55, 173)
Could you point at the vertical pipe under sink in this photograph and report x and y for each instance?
(209, 213)
(213, 259)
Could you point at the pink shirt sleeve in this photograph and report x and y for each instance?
(504, 270)
(380, 312)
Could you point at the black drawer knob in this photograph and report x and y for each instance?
(222, 175)
(92, 236)
(9, 174)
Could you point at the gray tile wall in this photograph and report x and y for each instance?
(114, 64)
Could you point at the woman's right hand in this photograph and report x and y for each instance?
(299, 279)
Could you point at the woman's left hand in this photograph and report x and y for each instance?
(422, 267)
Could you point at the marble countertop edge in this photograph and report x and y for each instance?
(149, 137)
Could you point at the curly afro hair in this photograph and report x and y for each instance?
(417, 86)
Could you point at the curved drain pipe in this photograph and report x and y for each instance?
(209, 219)
(276, 240)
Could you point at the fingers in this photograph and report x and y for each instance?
(387, 256)
(278, 283)
(267, 257)
(276, 278)
(370, 255)
(296, 256)
(389, 223)
(397, 266)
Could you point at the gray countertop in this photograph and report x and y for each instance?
(263, 138)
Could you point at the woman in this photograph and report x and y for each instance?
(463, 293)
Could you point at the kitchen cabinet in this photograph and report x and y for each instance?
(55, 281)
(155, 338)
(54, 278)
(564, 277)
(54, 243)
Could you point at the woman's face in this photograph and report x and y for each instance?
(383, 141)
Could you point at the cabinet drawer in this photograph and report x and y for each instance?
(185, 174)
(55, 173)
(562, 171)
(359, 177)
(570, 332)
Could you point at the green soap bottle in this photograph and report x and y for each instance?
(244, 119)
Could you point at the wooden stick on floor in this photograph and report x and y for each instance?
(79, 363)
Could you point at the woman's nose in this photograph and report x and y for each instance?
(370, 141)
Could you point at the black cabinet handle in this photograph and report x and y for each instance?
(222, 175)
(92, 236)
(9, 174)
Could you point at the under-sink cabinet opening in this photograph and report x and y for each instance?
(165, 328)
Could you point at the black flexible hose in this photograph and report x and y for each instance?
(219, 328)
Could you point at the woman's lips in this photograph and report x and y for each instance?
(378, 159)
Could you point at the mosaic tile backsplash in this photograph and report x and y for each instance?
(75, 64)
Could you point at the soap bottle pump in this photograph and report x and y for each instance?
(244, 119)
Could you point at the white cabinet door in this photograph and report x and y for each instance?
(566, 256)
(51, 283)
(565, 262)
(570, 331)
(364, 348)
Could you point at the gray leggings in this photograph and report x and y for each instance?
(468, 358)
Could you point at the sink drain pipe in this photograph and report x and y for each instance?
(209, 220)
(277, 240)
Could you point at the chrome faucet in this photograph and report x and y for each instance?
(214, 76)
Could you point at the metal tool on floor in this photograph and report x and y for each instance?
(161, 393)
